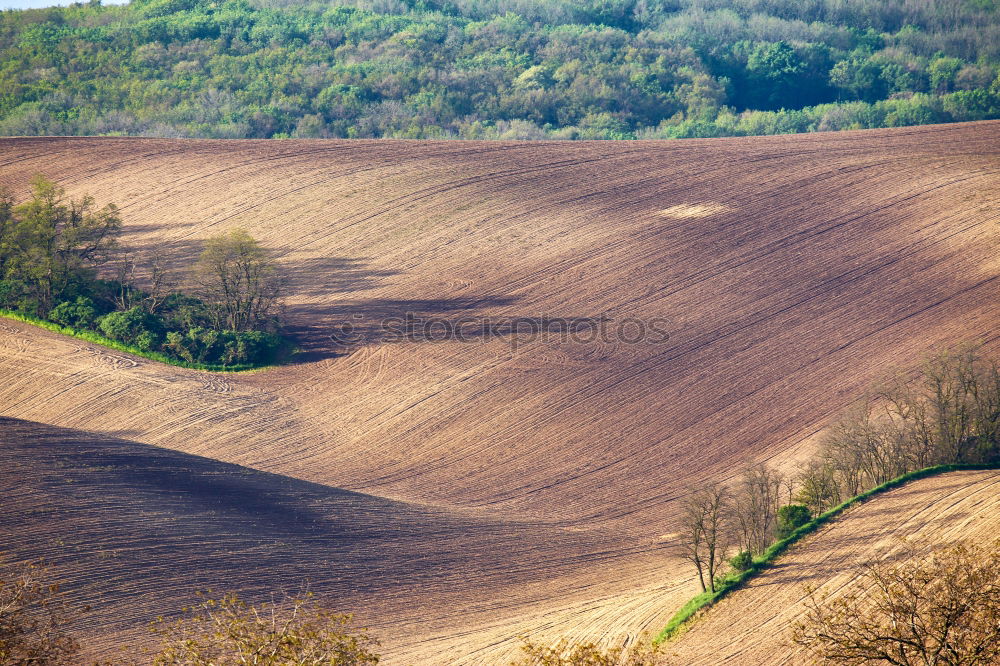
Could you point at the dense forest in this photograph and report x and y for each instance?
(496, 68)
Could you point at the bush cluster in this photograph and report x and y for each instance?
(55, 254)
(36, 616)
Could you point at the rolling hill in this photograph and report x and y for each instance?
(135, 530)
(788, 272)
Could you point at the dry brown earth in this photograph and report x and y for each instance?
(790, 272)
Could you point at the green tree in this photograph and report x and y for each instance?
(240, 280)
(861, 78)
(52, 244)
(943, 71)
(775, 76)
(741, 561)
(790, 518)
(75, 314)
(819, 488)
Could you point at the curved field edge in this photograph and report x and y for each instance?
(96, 339)
(733, 583)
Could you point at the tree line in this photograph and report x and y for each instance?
(62, 261)
(947, 412)
(511, 69)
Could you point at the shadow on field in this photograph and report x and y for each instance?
(342, 327)
(324, 326)
(134, 530)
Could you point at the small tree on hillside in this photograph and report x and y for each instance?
(819, 488)
(704, 540)
(240, 280)
(943, 609)
(755, 507)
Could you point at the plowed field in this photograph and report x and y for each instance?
(752, 625)
(787, 273)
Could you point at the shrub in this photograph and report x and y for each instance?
(741, 561)
(790, 518)
(641, 653)
(196, 345)
(33, 618)
(80, 313)
(249, 347)
(132, 326)
(204, 345)
(181, 312)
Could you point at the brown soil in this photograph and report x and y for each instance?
(790, 272)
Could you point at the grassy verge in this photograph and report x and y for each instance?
(97, 339)
(735, 581)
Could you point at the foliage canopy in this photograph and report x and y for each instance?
(496, 68)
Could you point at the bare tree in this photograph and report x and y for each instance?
(942, 609)
(866, 448)
(947, 412)
(948, 381)
(986, 418)
(161, 281)
(704, 538)
(758, 496)
(123, 265)
(907, 412)
(130, 290)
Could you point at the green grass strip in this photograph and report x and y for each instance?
(735, 581)
(98, 339)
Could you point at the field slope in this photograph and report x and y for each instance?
(752, 625)
(134, 531)
(789, 271)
